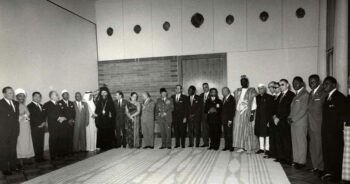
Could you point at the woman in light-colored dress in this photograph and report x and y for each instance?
(91, 130)
(25, 147)
(133, 125)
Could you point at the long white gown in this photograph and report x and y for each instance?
(91, 130)
(25, 147)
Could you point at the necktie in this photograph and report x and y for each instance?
(225, 99)
(120, 103)
(281, 97)
(39, 106)
(13, 107)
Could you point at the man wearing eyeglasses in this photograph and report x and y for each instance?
(275, 92)
(284, 140)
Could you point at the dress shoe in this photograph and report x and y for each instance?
(259, 151)
(225, 149)
(169, 147)
(145, 147)
(7, 173)
(240, 150)
(177, 146)
(191, 145)
(197, 145)
(151, 147)
(162, 147)
(210, 148)
(183, 146)
(232, 149)
(204, 145)
(299, 166)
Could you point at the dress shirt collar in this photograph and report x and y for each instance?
(298, 91)
(331, 93)
(316, 88)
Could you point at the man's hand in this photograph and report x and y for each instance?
(251, 118)
(276, 120)
(185, 120)
(290, 120)
(42, 125)
(61, 119)
(212, 110)
(229, 123)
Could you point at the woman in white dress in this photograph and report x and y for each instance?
(91, 130)
(25, 147)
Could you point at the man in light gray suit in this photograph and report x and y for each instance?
(316, 98)
(298, 120)
(147, 121)
(80, 123)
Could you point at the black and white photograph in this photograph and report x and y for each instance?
(174, 92)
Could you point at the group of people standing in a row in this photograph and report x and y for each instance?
(22, 127)
(276, 124)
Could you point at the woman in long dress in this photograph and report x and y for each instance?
(91, 130)
(105, 120)
(25, 147)
(133, 124)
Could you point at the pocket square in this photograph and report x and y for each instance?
(317, 99)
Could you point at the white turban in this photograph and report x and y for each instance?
(64, 91)
(19, 91)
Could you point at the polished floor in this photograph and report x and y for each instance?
(220, 160)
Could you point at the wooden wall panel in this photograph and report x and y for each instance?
(146, 74)
(204, 68)
(151, 74)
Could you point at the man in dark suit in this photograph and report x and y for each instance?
(67, 110)
(333, 119)
(120, 105)
(275, 90)
(37, 124)
(9, 131)
(204, 125)
(263, 119)
(227, 115)
(194, 116)
(180, 115)
(54, 121)
(284, 139)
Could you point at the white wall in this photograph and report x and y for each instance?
(43, 47)
(282, 38)
(84, 8)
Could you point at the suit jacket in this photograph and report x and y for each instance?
(82, 116)
(334, 114)
(217, 104)
(67, 110)
(166, 107)
(195, 109)
(180, 107)
(228, 109)
(8, 118)
(51, 113)
(201, 96)
(120, 110)
(283, 106)
(298, 112)
(148, 111)
(265, 105)
(37, 115)
(315, 105)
